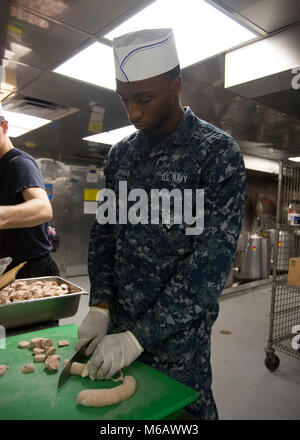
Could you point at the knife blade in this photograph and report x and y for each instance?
(66, 371)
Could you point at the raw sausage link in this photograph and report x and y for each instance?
(111, 396)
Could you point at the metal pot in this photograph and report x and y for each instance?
(253, 257)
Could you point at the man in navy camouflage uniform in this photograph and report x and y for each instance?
(154, 288)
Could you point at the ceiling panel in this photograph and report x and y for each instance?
(275, 91)
(285, 101)
(16, 77)
(90, 16)
(42, 44)
(261, 130)
(62, 140)
(44, 33)
(269, 15)
(39, 42)
(64, 90)
(274, 82)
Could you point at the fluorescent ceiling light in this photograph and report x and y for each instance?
(258, 164)
(111, 137)
(295, 159)
(265, 57)
(14, 132)
(200, 29)
(94, 65)
(19, 123)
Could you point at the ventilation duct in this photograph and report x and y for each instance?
(38, 107)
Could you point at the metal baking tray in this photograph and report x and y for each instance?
(34, 311)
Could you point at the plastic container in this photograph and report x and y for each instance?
(294, 213)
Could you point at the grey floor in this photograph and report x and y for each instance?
(243, 387)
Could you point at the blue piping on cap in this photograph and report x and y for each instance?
(139, 49)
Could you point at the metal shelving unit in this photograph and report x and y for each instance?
(285, 301)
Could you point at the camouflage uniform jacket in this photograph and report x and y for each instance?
(161, 283)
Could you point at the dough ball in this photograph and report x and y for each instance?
(63, 289)
(22, 293)
(14, 295)
(27, 294)
(3, 369)
(39, 357)
(38, 350)
(46, 343)
(52, 363)
(63, 343)
(50, 351)
(24, 344)
(19, 284)
(37, 294)
(49, 284)
(37, 283)
(28, 368)
(35, 342)
(48, 293)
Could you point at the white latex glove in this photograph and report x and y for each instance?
(93, 328)
(112, 354)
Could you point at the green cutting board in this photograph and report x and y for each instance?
(34, 396)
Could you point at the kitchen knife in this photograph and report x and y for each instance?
(66, 371)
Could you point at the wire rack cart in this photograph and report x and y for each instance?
(285, 300)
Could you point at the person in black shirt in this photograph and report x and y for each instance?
(25, 210)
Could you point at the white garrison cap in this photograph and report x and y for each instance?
(144, 54)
